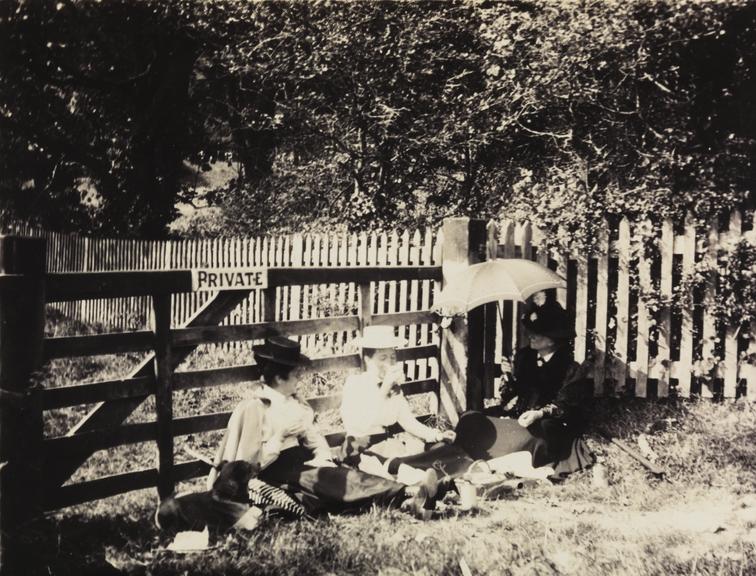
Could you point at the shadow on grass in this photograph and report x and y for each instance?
(79, 543)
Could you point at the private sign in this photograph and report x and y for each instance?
(229, 279)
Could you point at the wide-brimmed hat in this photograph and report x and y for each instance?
(281, 350)
(549, 320)
(380, 337)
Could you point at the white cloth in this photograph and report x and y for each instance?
(366, 410)
(519, 464)
(406, 475)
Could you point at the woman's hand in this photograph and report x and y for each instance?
(447, 436)
(393, 376)
(530, 417)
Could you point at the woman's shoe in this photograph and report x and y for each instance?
(424, 501)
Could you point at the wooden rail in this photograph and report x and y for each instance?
(92, 285)
(92, 345)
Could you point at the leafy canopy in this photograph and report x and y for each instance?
(377, 114)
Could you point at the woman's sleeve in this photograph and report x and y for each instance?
(243, 438)
(315, 441)
(409, 423)
(356, 414)
(572, 396)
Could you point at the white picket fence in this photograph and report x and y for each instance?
(634, 351)
(652, 353)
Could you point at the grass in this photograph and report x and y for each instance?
(701, 519)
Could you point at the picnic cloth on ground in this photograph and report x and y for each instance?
(329, 489)
(481, 437)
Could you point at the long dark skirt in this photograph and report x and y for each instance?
(481, 437)
(319, 490)
(329, 489)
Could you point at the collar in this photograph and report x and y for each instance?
(271, 395)
(546, 357)
(372, 377)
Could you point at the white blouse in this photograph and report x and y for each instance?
(262, 421)
(366, 410)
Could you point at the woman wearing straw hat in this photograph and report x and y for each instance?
(373, 401)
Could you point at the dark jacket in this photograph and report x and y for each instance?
(558, 387)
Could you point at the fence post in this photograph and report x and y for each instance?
(161, 304)
(464, 243)
(490, 320)
(22, 322)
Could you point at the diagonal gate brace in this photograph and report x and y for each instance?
(114, 412)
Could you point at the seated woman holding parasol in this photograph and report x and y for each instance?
(549, 413)
(543, 428)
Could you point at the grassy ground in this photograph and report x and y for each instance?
(701, 519)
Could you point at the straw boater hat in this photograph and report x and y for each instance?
(281, 351)
(549, 320)
(380, 337)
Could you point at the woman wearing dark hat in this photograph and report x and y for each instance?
(551, 396)
(274, 419)
(549, 413)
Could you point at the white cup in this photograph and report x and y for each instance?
(468, 495)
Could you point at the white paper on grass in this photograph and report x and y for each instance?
(190, 541)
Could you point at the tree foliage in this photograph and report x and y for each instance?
(374, 113)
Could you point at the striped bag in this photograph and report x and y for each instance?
(273, 500)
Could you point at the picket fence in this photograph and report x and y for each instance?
(634, 351)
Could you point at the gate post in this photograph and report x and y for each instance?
(161, 304)
(22, 322)
(463, 243)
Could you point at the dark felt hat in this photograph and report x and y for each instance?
(281, 351)
(549, 320)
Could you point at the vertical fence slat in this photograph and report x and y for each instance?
(748, 365)
(491, 349)
(426, 334)
(644, 321)
(730, 364)
(602, 309)
(663, 356)
(164, 393)
(581, 308)
(509, 309)
(383, 256)
(414, 298)
(709, 328)
(686, 337)
(622, 301)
